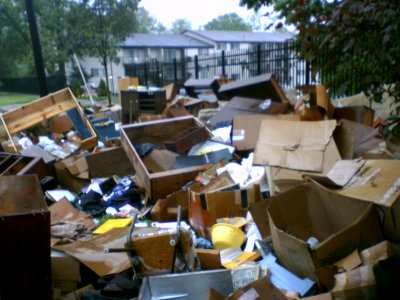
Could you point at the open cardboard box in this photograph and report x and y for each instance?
(159, 184)
(43, 109)
(378, 182)
(340, 224)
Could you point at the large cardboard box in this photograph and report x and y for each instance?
(43, 109)
(206, 207)
(160, 184)
(65, 271)
(378, 182)
(339, 224)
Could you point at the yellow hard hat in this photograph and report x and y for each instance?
(224, 235)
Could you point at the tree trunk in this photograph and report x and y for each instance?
(106, 79)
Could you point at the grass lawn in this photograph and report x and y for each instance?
(7, 98)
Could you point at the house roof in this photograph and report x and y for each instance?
(151, 40)
(241, 36)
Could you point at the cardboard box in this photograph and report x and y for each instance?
(340, 224)
(65, 271)
(356, 284)
(159, 184)
(319, 97)
(356, 140)
(206, 207)
(124, 82)
(260, 289)
(378, 182)
(359, 114)
(33, 113)
(263, 86)
(66, 179)
(292, 144)
(166, 209)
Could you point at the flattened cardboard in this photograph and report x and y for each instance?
(292, 144)
(360, 114)
(340, 224)
(241, 105)
(286, 179)
(246, 129)
(339, 175)
(90, 252)
(64, 211)
(378, 182)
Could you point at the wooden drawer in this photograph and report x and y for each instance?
(31, 114)
(159, 184)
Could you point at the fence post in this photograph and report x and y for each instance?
(175, 71)
(146, 80)
(158, 73)
(223, 63)
(259, 59)
(307, 72)
(196, 67)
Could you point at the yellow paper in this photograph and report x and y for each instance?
(112, 223)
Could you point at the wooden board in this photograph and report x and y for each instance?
(108, 163)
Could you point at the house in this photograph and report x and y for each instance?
(140, 48)
(235, 40)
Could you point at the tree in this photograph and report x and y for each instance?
(180, 25)
(109, 23)
(349, 36)
(15, 59)
(230, 22)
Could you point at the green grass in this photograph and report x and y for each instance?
(16, 98)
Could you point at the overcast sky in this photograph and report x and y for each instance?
(198, 12)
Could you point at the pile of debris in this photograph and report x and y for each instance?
(217, 190)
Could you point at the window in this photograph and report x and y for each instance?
(203, 51)
(97, 72)
(235, 46)
(221, 46)
(169, 54)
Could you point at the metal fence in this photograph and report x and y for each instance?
(281, 59)
(29, 85)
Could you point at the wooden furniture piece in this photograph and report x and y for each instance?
(159, 184)
(135, 102)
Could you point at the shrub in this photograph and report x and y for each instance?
(102, 89)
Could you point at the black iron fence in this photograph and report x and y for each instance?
(281, 59)
(29, 85)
